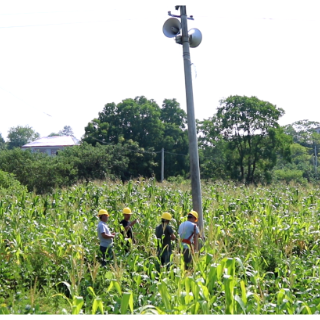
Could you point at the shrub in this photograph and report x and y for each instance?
(9, 184)
(290, 175)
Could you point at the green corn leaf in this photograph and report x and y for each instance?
(243, 292)
(165, 295)
(77, 303)
(127, 300)
(91, 291)
(97, 304)
(239, 300)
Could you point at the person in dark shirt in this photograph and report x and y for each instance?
(127, 227)
(165, 235)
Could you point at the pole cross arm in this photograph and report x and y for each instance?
(173, 15)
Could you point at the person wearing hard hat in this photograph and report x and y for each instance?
(189, 233)
(165, 234)
(105, 236)
(127, 226)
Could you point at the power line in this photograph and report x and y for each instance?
(58, 24)
(17, 97)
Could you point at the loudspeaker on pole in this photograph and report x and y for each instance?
(195, 37)
(171, 27)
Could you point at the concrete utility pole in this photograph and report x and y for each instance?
(192, 132)
(162, 164)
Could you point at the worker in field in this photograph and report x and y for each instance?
(105, 237)
(189, 234)
(126, 226)
(165, 235)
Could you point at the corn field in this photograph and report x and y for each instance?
(260, 253)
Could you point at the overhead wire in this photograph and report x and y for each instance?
(131, 18)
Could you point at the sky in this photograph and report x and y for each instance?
(62, 61)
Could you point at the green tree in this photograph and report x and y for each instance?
(301, 167)
(66, 131)
(53, 134)
(2, 143)
(97, 162)
(254, 138)
(37, 171)
(174, 141)
(19, 136)
(303, 132)
(212, 152)
(142, 121)
(9, 185)
(132, 119)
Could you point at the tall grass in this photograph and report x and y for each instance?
(260, 253)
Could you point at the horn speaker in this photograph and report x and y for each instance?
(195, 37)
(171, 27)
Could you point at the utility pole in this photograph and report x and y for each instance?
(162, 164)
(192, 39)
(192, 131)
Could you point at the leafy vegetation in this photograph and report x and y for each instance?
(9, 185)
(2, 142)
(66, 131)
(42, 173)
(19, 136)
(242, 142)
(260, 254)
(151, 127)
(248, 130)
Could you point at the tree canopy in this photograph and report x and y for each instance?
(249, 127)
(66, 131)
(303, 132)
(242, 141)
(143, 121)
(2, 143)
(19, 136)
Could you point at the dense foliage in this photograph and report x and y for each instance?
(242, 141)
(42, 173)
(9, 185)
(19, 136)
(247, 132)
(151, 127)
(2, 143)
(260, 254)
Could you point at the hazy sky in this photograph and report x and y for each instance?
(62, 61)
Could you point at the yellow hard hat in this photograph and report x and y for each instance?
(194, 213)
(102, 212)
(166, 216)
(126, 211)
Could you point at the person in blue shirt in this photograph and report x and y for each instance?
(105, 237)
(189, 234)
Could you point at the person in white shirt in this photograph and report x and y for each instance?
(105, 237)
(189, 234)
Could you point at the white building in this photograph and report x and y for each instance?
(51, 145)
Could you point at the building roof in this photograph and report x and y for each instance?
(54, 141)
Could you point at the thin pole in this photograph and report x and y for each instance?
(162, 165)
(192, 132)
